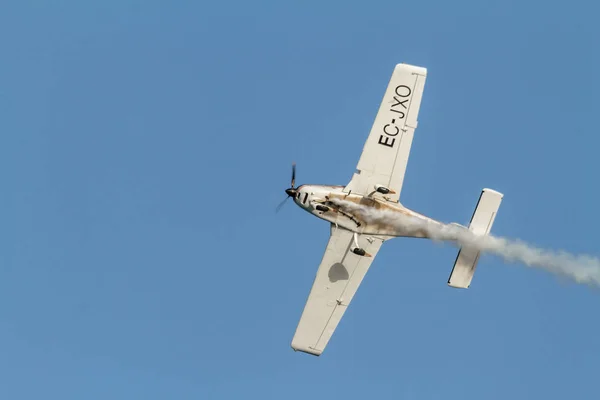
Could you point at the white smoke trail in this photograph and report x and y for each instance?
(580, 268)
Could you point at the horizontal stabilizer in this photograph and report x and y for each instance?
(481, 224)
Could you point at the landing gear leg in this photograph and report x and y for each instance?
(355, 236)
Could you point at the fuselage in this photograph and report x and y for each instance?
(354, 211)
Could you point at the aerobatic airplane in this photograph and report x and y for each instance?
(376, 183)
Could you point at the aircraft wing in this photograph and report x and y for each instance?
(337, 280)
(385, 153)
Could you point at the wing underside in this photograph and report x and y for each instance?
(338, 278)
(385, 154)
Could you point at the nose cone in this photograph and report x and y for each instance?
(291, 192)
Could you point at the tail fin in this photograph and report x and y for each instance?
(481, 224)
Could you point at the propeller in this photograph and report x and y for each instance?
(291, 191)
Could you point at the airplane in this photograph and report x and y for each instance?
(376, 184)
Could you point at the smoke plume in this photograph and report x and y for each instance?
(579, 268)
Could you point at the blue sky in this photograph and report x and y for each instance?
(145, 145)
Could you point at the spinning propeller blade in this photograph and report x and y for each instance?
(281, 205)
(293, 174)
(291, 191)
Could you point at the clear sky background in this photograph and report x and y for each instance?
(144, 146)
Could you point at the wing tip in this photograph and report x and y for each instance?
(501, 195)
(412, 68)
(306, 349)
(458, 285)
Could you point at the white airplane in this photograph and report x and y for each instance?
(377, 183)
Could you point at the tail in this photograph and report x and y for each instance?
(481, 224)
